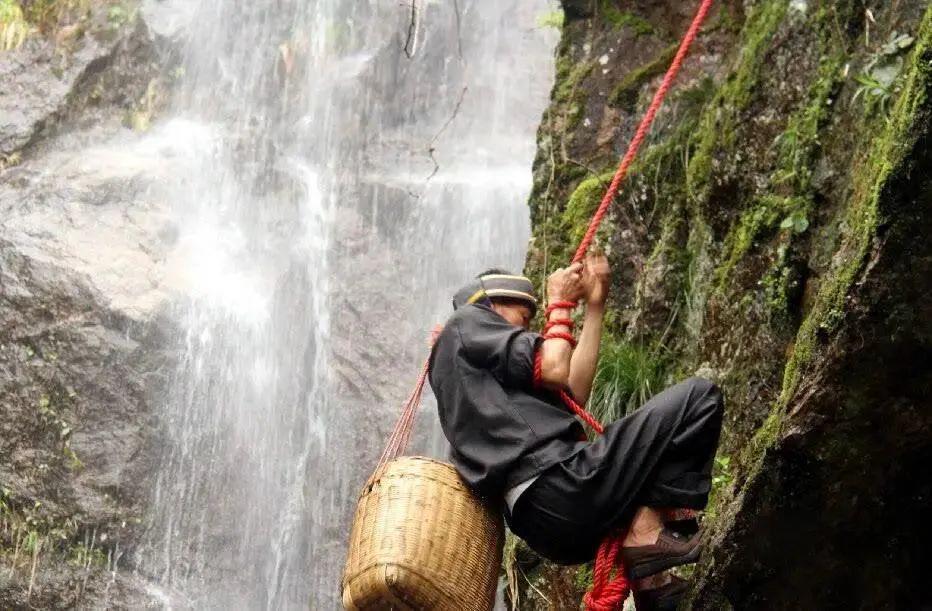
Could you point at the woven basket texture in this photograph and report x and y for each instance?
(421, 540)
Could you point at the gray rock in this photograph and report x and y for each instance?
(89, 72)
(85, 276)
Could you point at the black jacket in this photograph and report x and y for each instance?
(502, 430)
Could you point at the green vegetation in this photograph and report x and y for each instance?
(550, 19)
(118, 15)
(50, 415)
(27, 531)
(623, 19)
(722, 477)
(581, 205)
(799, 142)
(568, 95)
(879, 81)
(83, 555)
(763, 216)
(625, 93)
(883, 160)
(48, 14)
(13, 25)
(626, 377)
(582, 579)
(64, 19)
(716, 133)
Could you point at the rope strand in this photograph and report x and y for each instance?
(643, 129)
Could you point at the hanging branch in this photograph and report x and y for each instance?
(459, 27)
(430, 147)
(414, 21)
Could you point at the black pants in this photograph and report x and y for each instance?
(660, 456)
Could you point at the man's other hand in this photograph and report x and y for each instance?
(596, 277)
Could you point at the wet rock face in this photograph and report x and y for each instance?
(76, 78)
(82, 257)
(76, 435)
(770, 238)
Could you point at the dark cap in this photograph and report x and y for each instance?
(496, 286)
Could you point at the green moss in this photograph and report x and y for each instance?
(569, 77)
(624, 19)
(764, 215)
(723, 476)
(716, 130)
(14, 26)
(800, 140)
(582, 578)
(581, 205)
(550, 19)
(625, 93)
(753, 453)
(886, 154)
(28, 527)
(790, 181)
(82, 555)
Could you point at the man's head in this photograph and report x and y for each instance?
(510, 295)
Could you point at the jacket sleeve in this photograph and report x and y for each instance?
(507, 351)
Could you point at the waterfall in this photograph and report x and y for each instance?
(348, 164)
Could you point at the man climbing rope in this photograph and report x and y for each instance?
(498, 388)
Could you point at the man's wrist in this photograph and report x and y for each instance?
(558, 320)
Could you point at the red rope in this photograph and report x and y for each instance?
(608, 591)
(559, 305)
(401, 433)
(559, 322)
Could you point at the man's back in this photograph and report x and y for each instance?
(502, 429)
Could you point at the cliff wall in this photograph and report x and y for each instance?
(772, 237)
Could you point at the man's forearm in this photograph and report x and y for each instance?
(586, 355)
(556, 354)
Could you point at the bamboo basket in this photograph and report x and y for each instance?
(421, 540)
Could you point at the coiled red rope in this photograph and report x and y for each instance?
(610, 585)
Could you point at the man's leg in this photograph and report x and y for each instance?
(681, 478)
(658, 457)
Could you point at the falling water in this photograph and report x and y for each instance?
(347, 164)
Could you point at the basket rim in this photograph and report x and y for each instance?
(347, 581)
(375, 476)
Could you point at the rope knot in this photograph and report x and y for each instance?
(608, 592)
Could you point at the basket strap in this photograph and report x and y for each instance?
(398, 440)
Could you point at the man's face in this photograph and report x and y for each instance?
(516, 313)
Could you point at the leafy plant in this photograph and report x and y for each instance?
(86, 556)
(878, 82)
(626, 377)
(796, 221)
(721, 472)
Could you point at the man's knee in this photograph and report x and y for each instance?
(705, 395)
